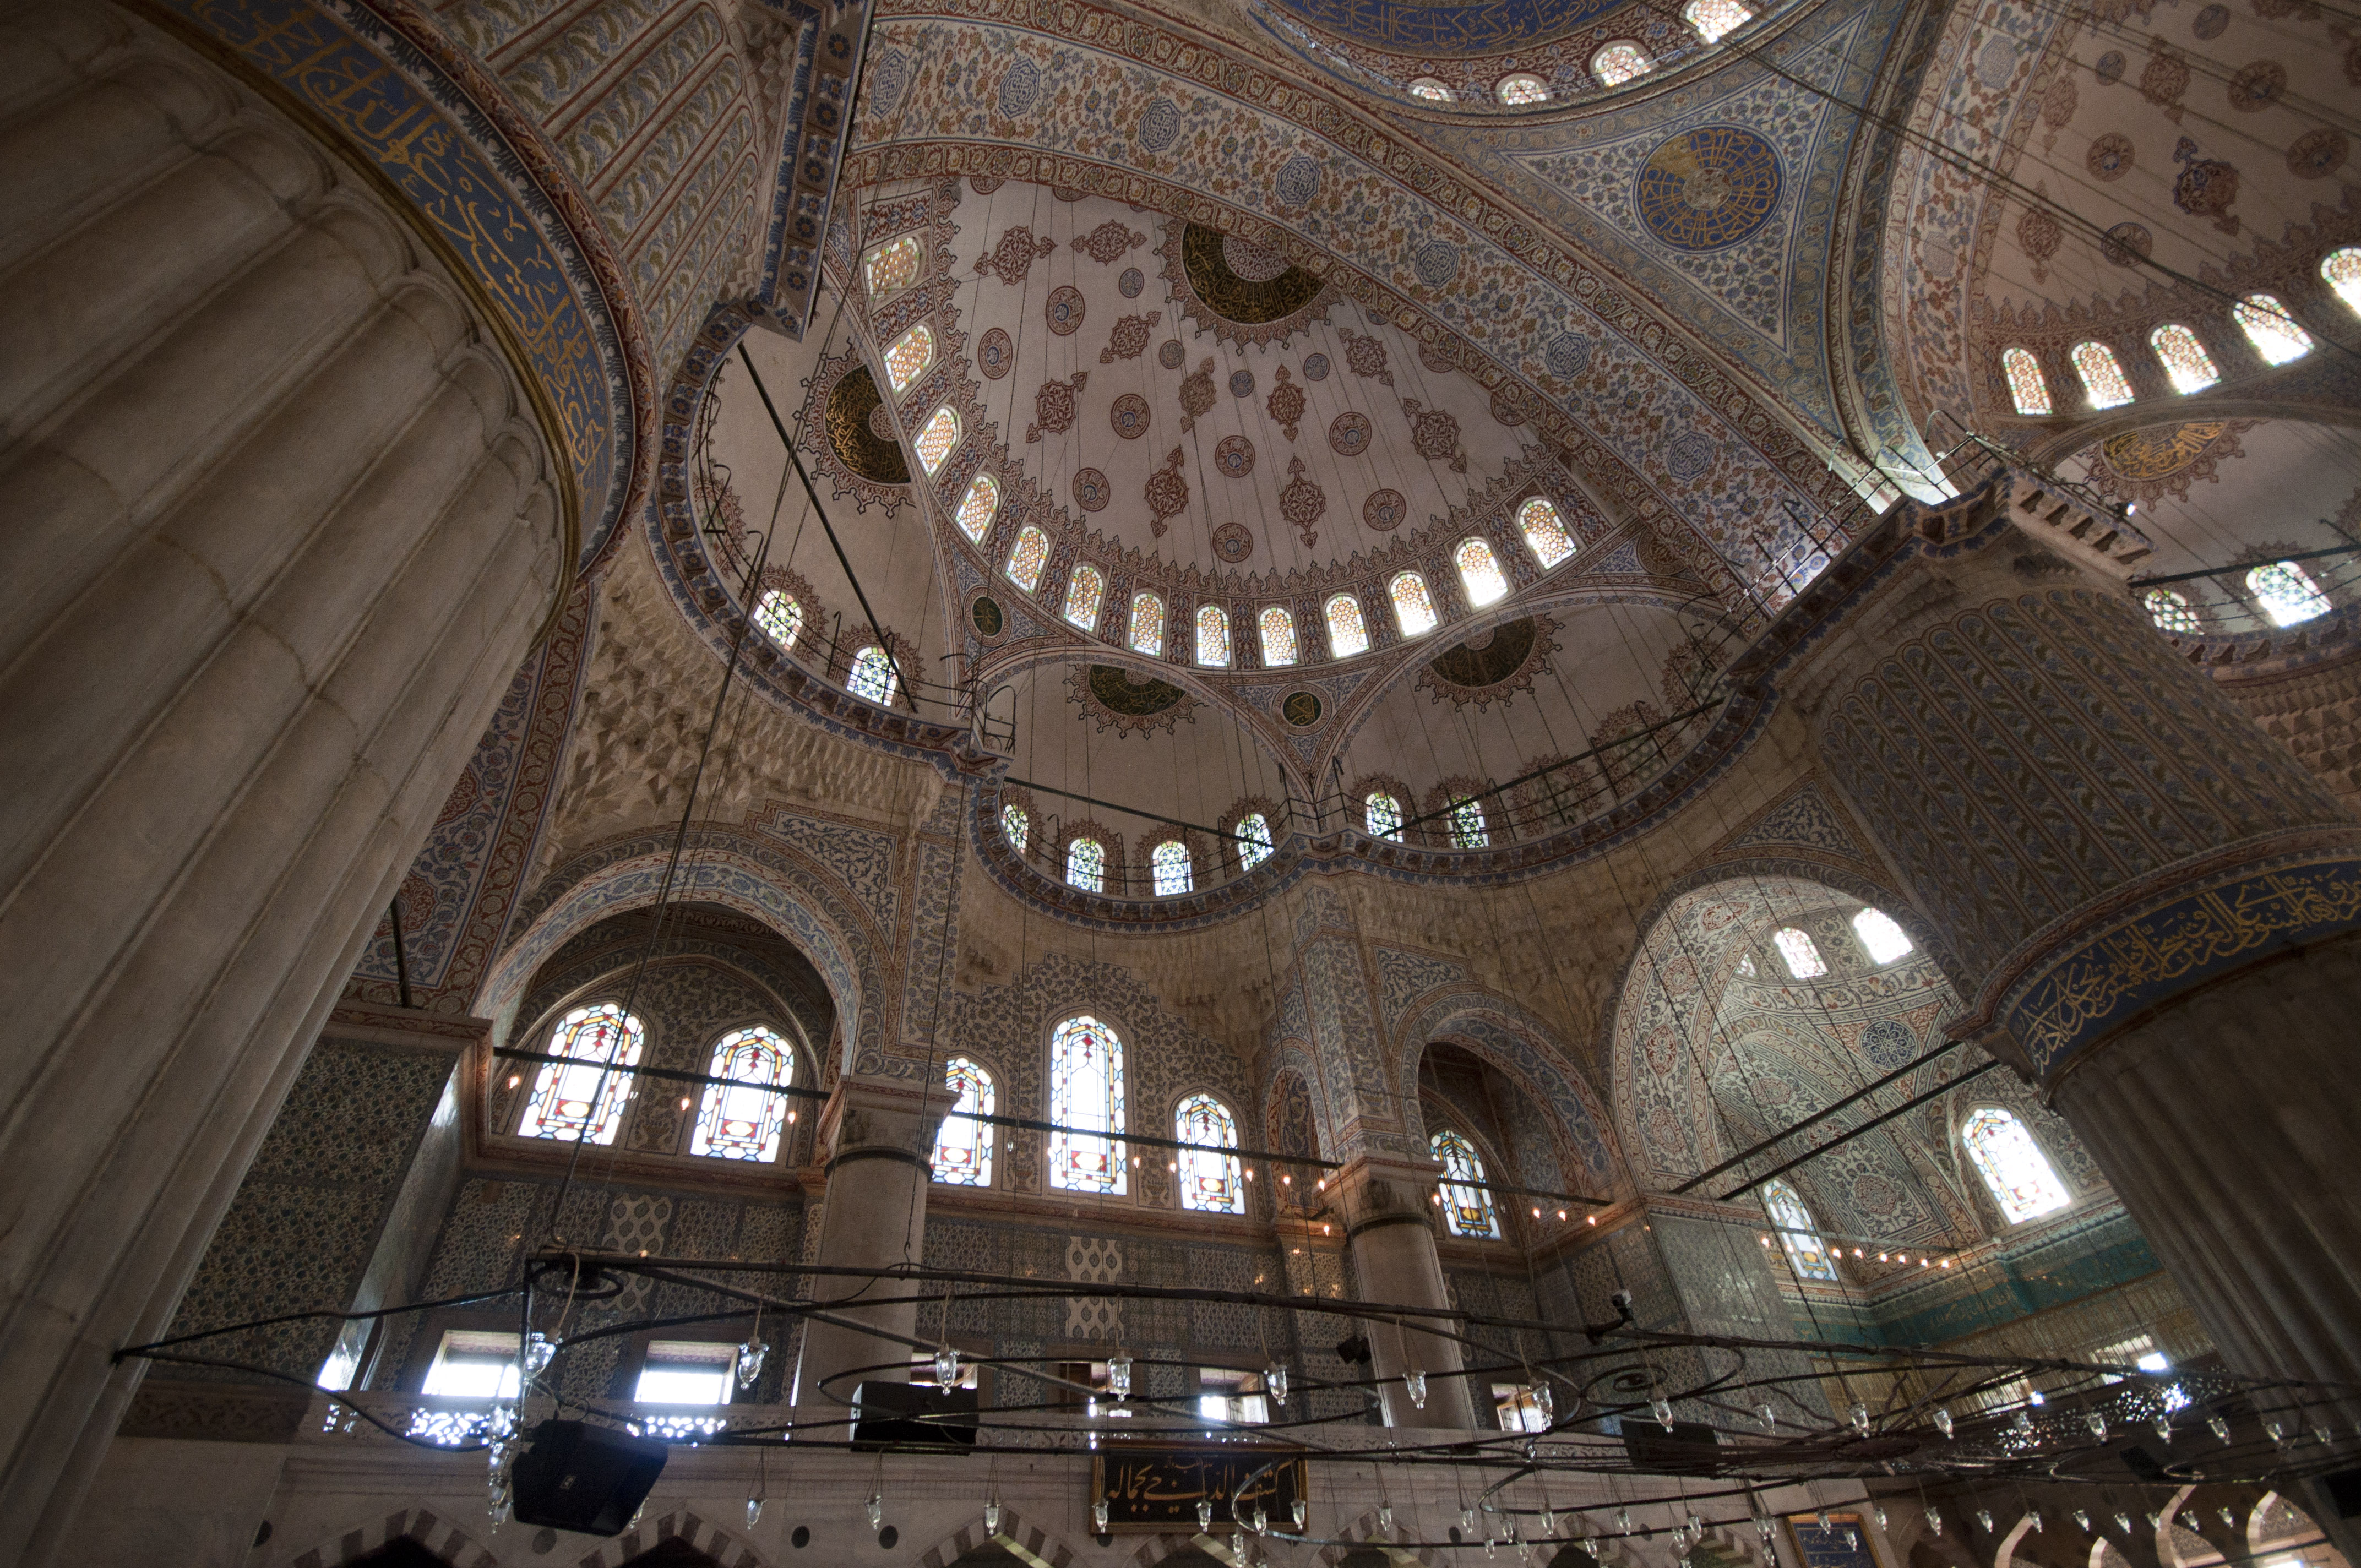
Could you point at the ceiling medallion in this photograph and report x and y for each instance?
(1167, 493)
(1128, 701)
(1348, 436)
(1064, 310)
(1129, 416)
(1434, 435)
(1365, 356)
(2165, 459)
(1285, 404)
(852, 404)
(1240, 291)
(1708, 189)
(996, 354)
(1385, 511)
(1170, 355)
(1233, 543)
(1055, 406)
(1301, 709)
(1129, 338)
(1196, 395)
(1301, 502)
(987, 617)
(1092, 492)
(1130, 284)
(1106, 242)
(1242, 383)
(1013, 257)
(1494, 665)
(1316, 368)
(1234, 457)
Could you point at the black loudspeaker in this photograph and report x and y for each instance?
(896, 1415)
(1689, 1448)
(2341, 1490)
(580, 1477)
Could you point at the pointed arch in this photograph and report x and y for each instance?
(690, 1526)
(430, 1529)
(1503, 1035)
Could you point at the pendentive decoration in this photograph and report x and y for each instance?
(1128, 701)
(1494, 665)
(1236, 289)
(871, 467)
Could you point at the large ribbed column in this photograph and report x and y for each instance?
(2141, 888)
(279, 531)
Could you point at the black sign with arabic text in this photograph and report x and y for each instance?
(1159, 1488)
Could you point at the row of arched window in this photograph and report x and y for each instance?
(1172, 868)
(1612, 65)
(581, 1099)
(2273, 330)
(872, 672)
(2282, 590)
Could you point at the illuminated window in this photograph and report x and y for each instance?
(582, 1098)
(1413, 605)
(1086, 1095)
(2029, 388)
(1231, 1395)
(741, 1119)
(1713, 18)
(1209, 1182)
(1467, 828)
(685, 1372)
(1084, 589)
(1427, 88)
(2012, 1164)
(1016, 826)
(1798, 1232)
(473, 1364)
(1517, 1409)
(1544, 531)
(1169, 864)
(2273, 332)
(1480, 571)
(1278, 637)
(1147, 624)
(2287, 593)
(1619, 62)
(2170, 611)
(1347, 634)
(1881, 936)
(1524, 87)
(1802, 958)
(1254, 840)
(935, 442)
(1466, 1201)
(909, 356)
(1383, 814)
(1086, 865)
(873, 676)
(963, 1147)
(2103, 378)
(780, 617)
(2186, 363)
(975, 508)
(2341, 269)
(1027, 556)
(890, 269)
(1212, 636)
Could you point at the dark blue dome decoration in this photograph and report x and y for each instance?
(1708, 188)
(1888, 1043)
(1485, 27)
(1020, 87)
(1159, 123)
(1298, 181)
(1568, 355)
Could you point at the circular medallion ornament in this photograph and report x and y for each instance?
(1441, 364)
(2110, 157)
(1708, 188)
(1301, 710)
(1020, 87)
(986, 616)
(1129, 416)
(1888, 1043)
(1436, 263)
(881, 424)
(1159, 123)
(2161, 451)
(1316, 368)
(1092, 492)
(2211, 23)
(2110, 68)
(2317, 154)
(2257, 86)
(1234, 457)
(1232, 543)
(891, 75)
(1688, 456)
(1349, 435)
(1298, 180)
(1242, 383)
(995, 356)
(1385, 511)
(1064, 310)
(985, 184)
(1172, 356)
(2128, 244)
(1131, 283)
(1996, 62)
(1568, 355)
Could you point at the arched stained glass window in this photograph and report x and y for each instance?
(2182, 354)
(1084, 589)
(1086, 865)
(873, 676)
(1712, 18)
(1254, 840)
(910, 356)
(963, 1147)
(1209, 1182)
(1801, 954)
(2021, 1180)
(1881, 937)
(1544, 531)
(1278, 637)
(581, 1099)
(1797, 1232)
(890, 269)
(1467, 826)
(2101, 377)
(2341, 270)
(1427, 88)
(1619, 62)
(2268, 325)
(1212, 636)
(1481, 572)
(975, 508)
(1383, 814)
(1086, 1094)
(936, 440)
(1466, 1201)
(781, 617)
(1413, 605)
(1169, 863)
(1017, 826)
(741, 1119)
(1147, 624)
(1347, 635)
(1027, 556)
(2170, 611)
(2029, 388)
(2287, 593)
(1520, 88)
